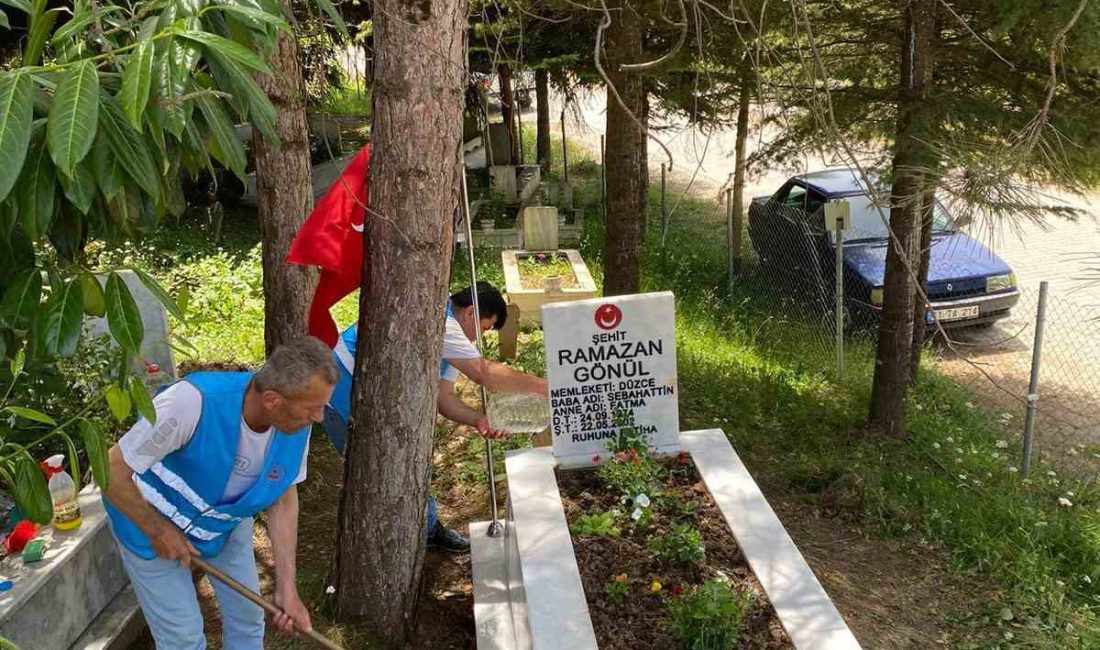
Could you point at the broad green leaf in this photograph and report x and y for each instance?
(9, 216)
(74, 113)
(83, 16)
(22, 299)
(95, 304)
(37, 193)
(105, 167)
(80, 188)
(137, 78)
(327, 7)
(222, 47)
(42, 21)
(160, 294)
(4, 20)
(31, 493)
(16, 113)
(251, 13)
(225, 146)
(125, 210)
(64, 318)
(123, 317)
(22, 5)
(174, 66)
(118, 401)
(183, 298)
(31, 414)
(95, 443)
(128, 145)
(67, 232)
(74, 460)
(260, 110)
(17, 362)
(142, 401)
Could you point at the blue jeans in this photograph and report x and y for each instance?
(166, 592)
(337, 430)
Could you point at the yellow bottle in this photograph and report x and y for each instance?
(66, 506)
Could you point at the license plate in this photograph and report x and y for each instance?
(957, 313)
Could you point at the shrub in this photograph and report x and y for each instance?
(709, 617)
(684, 545)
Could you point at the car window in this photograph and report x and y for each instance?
(796, 197)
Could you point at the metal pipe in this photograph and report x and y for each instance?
(839, 307)
(495, 528)
(256, 599)
(603, 179)
(1033, 385)
(729, 232)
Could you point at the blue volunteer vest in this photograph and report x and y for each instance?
(344, 353)
(187, 484)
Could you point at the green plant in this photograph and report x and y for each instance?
(684, 545)
(629, 438)
(617, 588)
(534, 268)
(603, 524)
(709, 617)
(629, 475)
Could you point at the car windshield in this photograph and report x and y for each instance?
(867, 224)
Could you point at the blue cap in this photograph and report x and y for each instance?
(5, 585)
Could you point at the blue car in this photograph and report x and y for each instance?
(968, 284)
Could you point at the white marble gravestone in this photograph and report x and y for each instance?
(610, 362)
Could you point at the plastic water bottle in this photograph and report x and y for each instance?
(518, 412)
(66, 506)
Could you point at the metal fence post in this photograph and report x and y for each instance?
(603, 179)
(1033, 385)
(564, 150)
(664, 207)
(839, 307)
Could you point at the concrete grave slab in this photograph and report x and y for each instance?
(530, 301)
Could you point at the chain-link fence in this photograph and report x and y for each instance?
(784, 282)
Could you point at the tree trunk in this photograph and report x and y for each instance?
(924, 254)
(284, 193)
(414, 176)
(542, 129)
(743, 103)
(508, 109)
(911, 155)
(625, 157)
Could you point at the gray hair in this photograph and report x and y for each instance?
(292, 365)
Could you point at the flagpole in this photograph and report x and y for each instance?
(495, 527)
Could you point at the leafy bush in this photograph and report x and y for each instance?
(709, 617)
(604, 524)
(631, 474)
(684, 545)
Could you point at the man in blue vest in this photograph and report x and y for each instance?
(459, 355)
(224, 447)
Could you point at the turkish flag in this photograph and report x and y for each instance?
(332, 238)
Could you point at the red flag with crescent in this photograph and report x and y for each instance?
(332, 238)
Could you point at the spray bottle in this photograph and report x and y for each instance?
(66, 507)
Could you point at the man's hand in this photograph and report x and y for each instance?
(170, 543)
(489, 432)
(294, 616)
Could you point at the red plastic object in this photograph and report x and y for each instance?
(23, 533)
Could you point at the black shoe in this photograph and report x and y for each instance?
(446, 540)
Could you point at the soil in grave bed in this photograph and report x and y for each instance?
(535, 268)
(642, 619)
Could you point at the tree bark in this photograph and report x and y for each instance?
(744, 100)
(924, 254)
(625, 159)
(911, 156)
(508, 109)
(542, 129)
(414, 176)
(284, 193)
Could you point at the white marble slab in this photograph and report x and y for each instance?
(557, 611)
(492, 602)
(805, 610)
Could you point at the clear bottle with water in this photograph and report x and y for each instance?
(518, 412)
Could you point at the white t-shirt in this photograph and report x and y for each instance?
(178, 410)
(455, 346)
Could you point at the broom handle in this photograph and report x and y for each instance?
(270, 608)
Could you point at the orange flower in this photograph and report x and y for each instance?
(620, 578)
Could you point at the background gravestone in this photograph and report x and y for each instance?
(154, 318)
(540, 229)
(611, 362)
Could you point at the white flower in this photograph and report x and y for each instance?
(935, 445)
(637, 514)
(918, 407)
(641, 500)
(1013, 469)
(950, 439)
(1002, 444)
(1052, 473)
(330, 590)
(1087, 579)
(1062, 501)
(1069, 494)
(962, 477)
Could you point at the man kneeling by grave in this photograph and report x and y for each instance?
(459, 355)
(224, 447)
